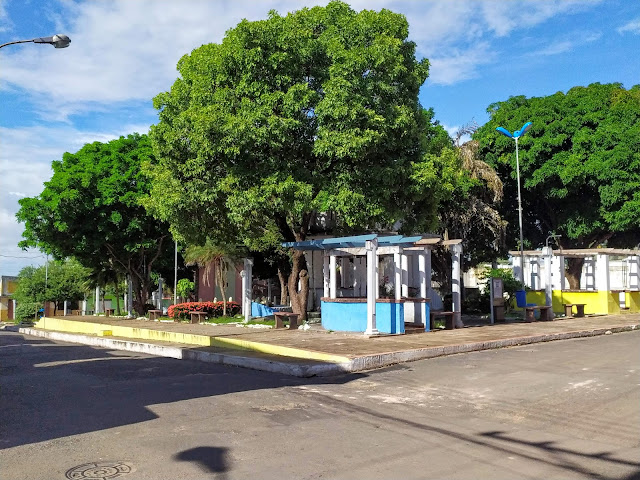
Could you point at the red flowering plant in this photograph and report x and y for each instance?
(180, 311)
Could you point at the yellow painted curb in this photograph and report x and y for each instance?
(71, 326)
(277, 350)
(100, 329)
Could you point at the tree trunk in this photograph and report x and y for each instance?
(283, 287)
(299, 273)
(220, 274)
(117, 289)
(574, 271)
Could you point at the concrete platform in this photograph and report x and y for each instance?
(316, 351)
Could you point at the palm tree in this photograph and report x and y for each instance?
(222, 258)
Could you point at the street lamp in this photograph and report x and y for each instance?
(58, 41)
(516, 135)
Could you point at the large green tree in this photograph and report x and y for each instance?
(579, 165)
(57, 281)
(90, 209)
(315, 111)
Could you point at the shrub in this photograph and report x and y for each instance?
(27, 310)
(212, 309)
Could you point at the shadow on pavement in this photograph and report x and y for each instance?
(52, 390)
(210, 459)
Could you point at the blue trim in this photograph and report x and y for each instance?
(354, 241)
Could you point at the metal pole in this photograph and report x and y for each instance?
(175, 275)
(520, 217)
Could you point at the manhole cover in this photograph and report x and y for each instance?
(99, 471)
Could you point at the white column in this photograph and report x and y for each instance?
(159, 296)
(83, 307)
(356, 280)
(66, 308)
(516, 262)
(548, 292)
(602, 273)
(247, 284)
(405, 274)
(129, 297)
(371, 247)
(422, 267)
(326, 275)
(377, 273)
(333, 278)
(558, 272)
(456, 258)
(97, 302)
(397, 277)
(633, 263)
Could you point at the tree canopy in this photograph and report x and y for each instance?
(579, 165)
(315, 111)
(57, 281)
(90, 209)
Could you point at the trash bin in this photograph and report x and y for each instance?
(521, 298)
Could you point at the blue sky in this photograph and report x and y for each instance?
(124, 52)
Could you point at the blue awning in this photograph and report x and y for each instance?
(353, 241)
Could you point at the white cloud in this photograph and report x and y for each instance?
(633, 27)
(25, 164)
(567, 44)
(459, 65)
(126, 50)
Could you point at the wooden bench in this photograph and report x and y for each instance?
(75, 313)
(448, 319)
(568, 309)
(108, 311)
(546, 314)
(197, 317)
(281, 316)
(155, 314)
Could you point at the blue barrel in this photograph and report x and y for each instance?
(521, 298)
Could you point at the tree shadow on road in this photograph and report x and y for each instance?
(53, 390)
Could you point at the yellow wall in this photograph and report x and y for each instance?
(596, 302)
(632, 300)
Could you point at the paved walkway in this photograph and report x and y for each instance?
(320, 352)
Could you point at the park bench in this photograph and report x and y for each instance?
(75, 313)
(568, 309)
(155, 314)
(546, 314)
(108, 311)
(448, 319)
(197, 317)
(281, 316)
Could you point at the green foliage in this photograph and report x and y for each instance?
(509, 284)
(185, 287)
(90, 209)
(64, 280)
(314, 111)
(212, 309)
(579, 164)
(27, 311)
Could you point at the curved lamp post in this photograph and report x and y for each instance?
(516, 135)
(58, 41)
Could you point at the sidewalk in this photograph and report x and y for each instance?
(316, 351)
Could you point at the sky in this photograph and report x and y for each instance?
(124, 52)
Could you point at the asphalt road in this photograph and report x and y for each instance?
(565, 409)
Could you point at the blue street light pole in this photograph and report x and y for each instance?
(516, 135)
